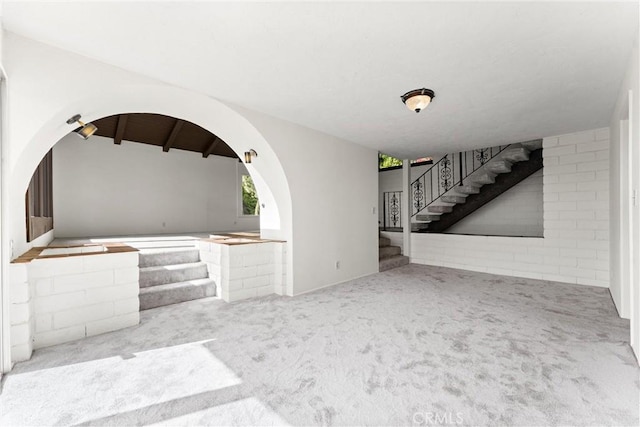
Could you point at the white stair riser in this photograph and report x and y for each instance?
(393, 262)
(158, 296)
(152, 276)
(154, 259)
(388, 251)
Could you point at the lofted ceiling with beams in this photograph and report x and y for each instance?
(502, 71)
(162, 131)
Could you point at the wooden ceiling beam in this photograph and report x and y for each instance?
(214, 143)
(173, 135)
(122, 125)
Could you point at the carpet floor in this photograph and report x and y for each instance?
(417, 345)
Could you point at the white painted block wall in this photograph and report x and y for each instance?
(101, 189)
(22, 326)
(246, 270)
(575, 247)
(80, 296)
(56, 300)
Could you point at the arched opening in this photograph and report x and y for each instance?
(142, 174)
(266, 171)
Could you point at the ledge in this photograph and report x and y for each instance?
(109, 248)
(232, 239)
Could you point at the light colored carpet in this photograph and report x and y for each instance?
(412, 346)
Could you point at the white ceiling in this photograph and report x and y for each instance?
(502, 72)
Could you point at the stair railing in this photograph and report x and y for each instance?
(446, 173)
(392, 209)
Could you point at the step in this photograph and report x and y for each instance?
(499, 166)
(440, 208)
(483, 178)
(163, 244)
(532, 145)
(515, 154)
(161, 275)
(467, 189)
(427, 218)
(393, 262)
(383, 241)
(172, 293)
(167, 256)
(388, 251)
(453, 199)
(419, 227)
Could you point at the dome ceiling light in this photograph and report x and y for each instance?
(418, 99)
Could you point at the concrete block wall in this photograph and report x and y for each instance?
(22, 326)
(245, 270)
(72, 297)
(575, 246)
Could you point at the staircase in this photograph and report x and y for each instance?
(172, 274)
(496, 173)
(389, 256)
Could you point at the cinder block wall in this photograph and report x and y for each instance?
(246, 271)
(55, 300)
(575, 247)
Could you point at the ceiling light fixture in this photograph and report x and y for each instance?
(249, 154)
(86, 129)
(418, 99)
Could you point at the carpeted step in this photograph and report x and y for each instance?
(392, 262)
(161, 275)
(484, 178)
(532, 145)
(167, 256)
(453, 199)
(172, 293)
(383, 241)
(515, 154)
(499, 166)
(427, 218)
(440, 209)
(163, 244)
(467, 189)
(388, 251)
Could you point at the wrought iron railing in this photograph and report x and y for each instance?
(392, 209)
(449, 171)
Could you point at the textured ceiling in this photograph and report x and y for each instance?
(502, 72)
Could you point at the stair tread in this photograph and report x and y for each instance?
(383, 242)
(392, 262)
(388, 251)
(177, 292)
(167, 250)
(172, 267)
(176, 285)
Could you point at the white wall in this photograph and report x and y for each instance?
(625, 215)
(334, 203)
(516, 212)
(100, 189)
(575, 247)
